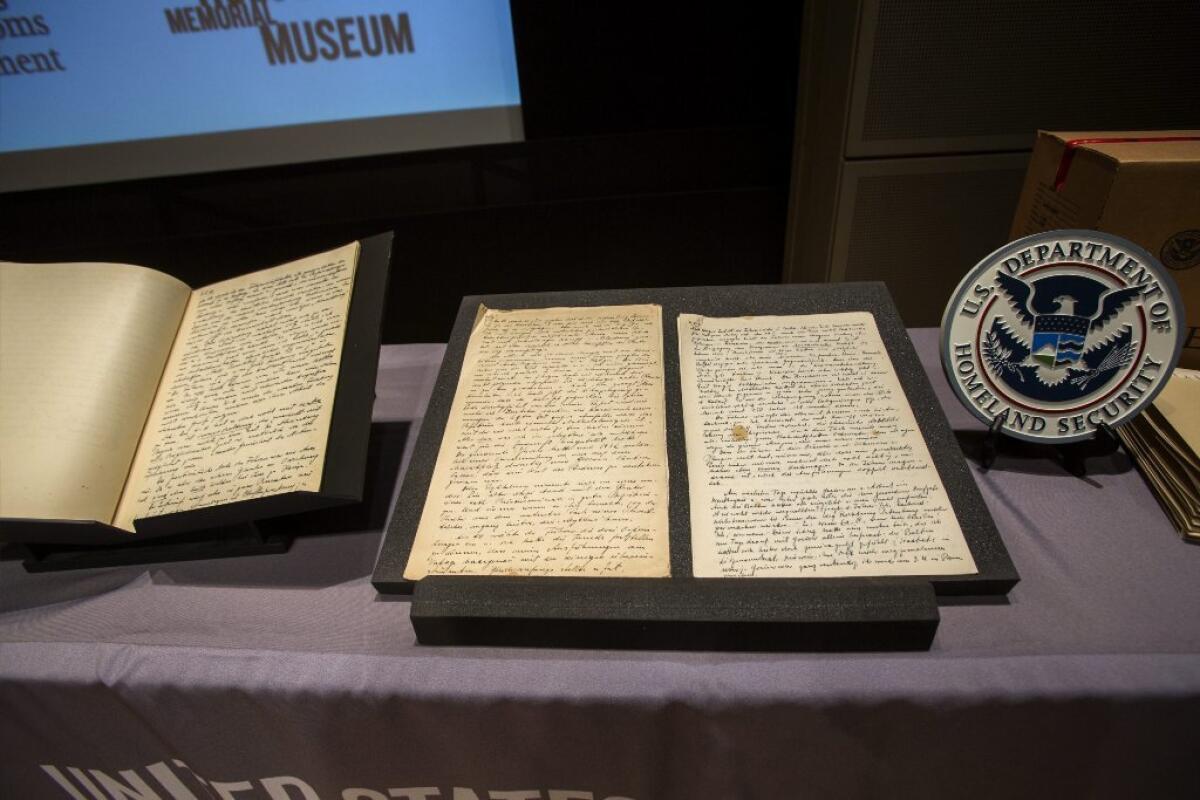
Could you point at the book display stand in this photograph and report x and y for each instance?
(680, 611)
(246, 539)
(385, 452)
(231, 528)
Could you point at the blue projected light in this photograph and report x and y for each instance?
(118, 71)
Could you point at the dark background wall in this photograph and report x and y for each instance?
(657, 153)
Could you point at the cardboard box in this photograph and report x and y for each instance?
(1141, 185)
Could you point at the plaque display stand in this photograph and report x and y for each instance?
(1073, 455)
(683, 612)
(342, 477)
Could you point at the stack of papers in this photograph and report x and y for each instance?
(1165, 442)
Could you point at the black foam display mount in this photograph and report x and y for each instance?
(457, 609)
(761, 614)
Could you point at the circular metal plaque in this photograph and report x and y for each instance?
(1062, 331)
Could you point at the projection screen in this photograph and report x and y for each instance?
(110, 90)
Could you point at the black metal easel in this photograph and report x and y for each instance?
(1074, 455)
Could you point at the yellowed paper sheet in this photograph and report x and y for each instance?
(554, 458)
(1174, 479)
(1165, 440)
(82, 347)
(1179, 403)
(804, 458)
(247, 396)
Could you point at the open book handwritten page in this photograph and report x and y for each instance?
(82, 348)
(554, 457)
(804, 458)
(244, 406)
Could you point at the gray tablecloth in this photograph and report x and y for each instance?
(287, 677)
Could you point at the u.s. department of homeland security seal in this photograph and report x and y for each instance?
(1063, 330)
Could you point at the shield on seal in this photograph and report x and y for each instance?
(1058, 338)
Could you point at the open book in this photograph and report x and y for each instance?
(131, 404)
(804, 458)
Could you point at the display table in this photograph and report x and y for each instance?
(286, 676)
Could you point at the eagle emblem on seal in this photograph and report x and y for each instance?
(1059, 334)
(1055, 347)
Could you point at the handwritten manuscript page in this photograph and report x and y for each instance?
(804, 458)
(244, 407)
(553, 461)
(82, 348)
